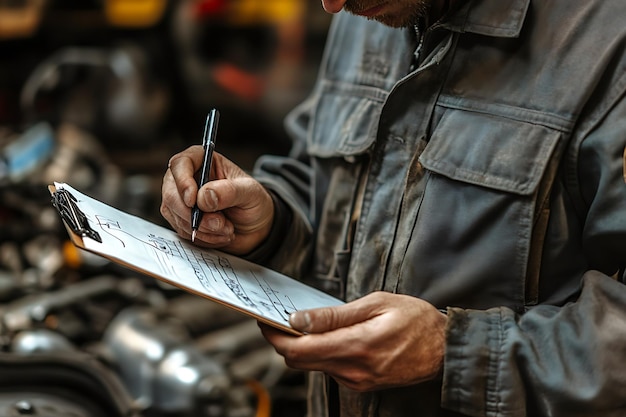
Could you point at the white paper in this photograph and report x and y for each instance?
(161, 253)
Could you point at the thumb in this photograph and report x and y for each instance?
(325, 319)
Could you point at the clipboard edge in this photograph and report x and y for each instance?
(77, 240)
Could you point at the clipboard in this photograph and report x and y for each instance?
(158, 252)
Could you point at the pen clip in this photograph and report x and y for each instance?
(65, 203)
(208, 144)
(210, 128)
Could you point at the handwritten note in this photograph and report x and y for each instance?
(159, 252)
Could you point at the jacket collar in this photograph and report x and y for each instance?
(490, 17)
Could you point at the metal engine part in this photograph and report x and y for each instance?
(162, 369)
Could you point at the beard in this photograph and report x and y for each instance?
(408, 12)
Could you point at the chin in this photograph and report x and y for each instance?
(395, 21)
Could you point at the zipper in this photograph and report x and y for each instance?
(419, 35)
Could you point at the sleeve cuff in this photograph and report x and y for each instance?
(283, 218)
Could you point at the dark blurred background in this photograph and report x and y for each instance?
(140, 75)
(99, 94)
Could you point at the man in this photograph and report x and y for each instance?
(457, 175)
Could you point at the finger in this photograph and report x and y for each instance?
(311, 350)
(203, 239)
(215, 230)
(331, 353)
(330, 318)
(183, 167)
(173, 219)
(274, 336)
(173, 209)
(294, 349)
(243, 192)
(337, 354)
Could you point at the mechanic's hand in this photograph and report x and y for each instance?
(382, 340)
(238, 210)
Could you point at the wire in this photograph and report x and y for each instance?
(264, 403)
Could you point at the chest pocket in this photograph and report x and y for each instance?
(490, 151)
(345, 120)
(344, 123)
(492, 174)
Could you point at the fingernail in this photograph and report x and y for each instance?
(300, 320)
(214, 224)
(187, 197)
(213, 198)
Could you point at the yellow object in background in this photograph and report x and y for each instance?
(71, 255)
(246, 12)
(18, 20)
(134, 13)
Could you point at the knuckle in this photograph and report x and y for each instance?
(187, 182)
(290, 354)
(357, 380)
(165, 211)
(331, 317)
(175, 159)
(360, 382)
(379, 295)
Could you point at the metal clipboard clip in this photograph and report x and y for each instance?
(65, 203)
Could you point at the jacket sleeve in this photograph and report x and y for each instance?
(558, 361)
(289, 180)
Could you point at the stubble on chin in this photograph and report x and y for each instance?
(409, 15)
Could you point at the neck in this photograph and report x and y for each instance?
(439, 8)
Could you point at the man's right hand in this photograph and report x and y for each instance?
(238, 210)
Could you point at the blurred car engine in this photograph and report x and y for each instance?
(99, 94)
(86, 337)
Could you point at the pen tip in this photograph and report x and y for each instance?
(193, 235)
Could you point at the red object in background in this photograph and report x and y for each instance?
(243, 84)
(207, 8)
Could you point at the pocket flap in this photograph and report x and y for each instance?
(490, 151)
(345, 120)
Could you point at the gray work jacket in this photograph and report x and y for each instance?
(489, 180)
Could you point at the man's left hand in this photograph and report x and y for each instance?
(382, 340)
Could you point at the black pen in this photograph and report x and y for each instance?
(208, 142)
